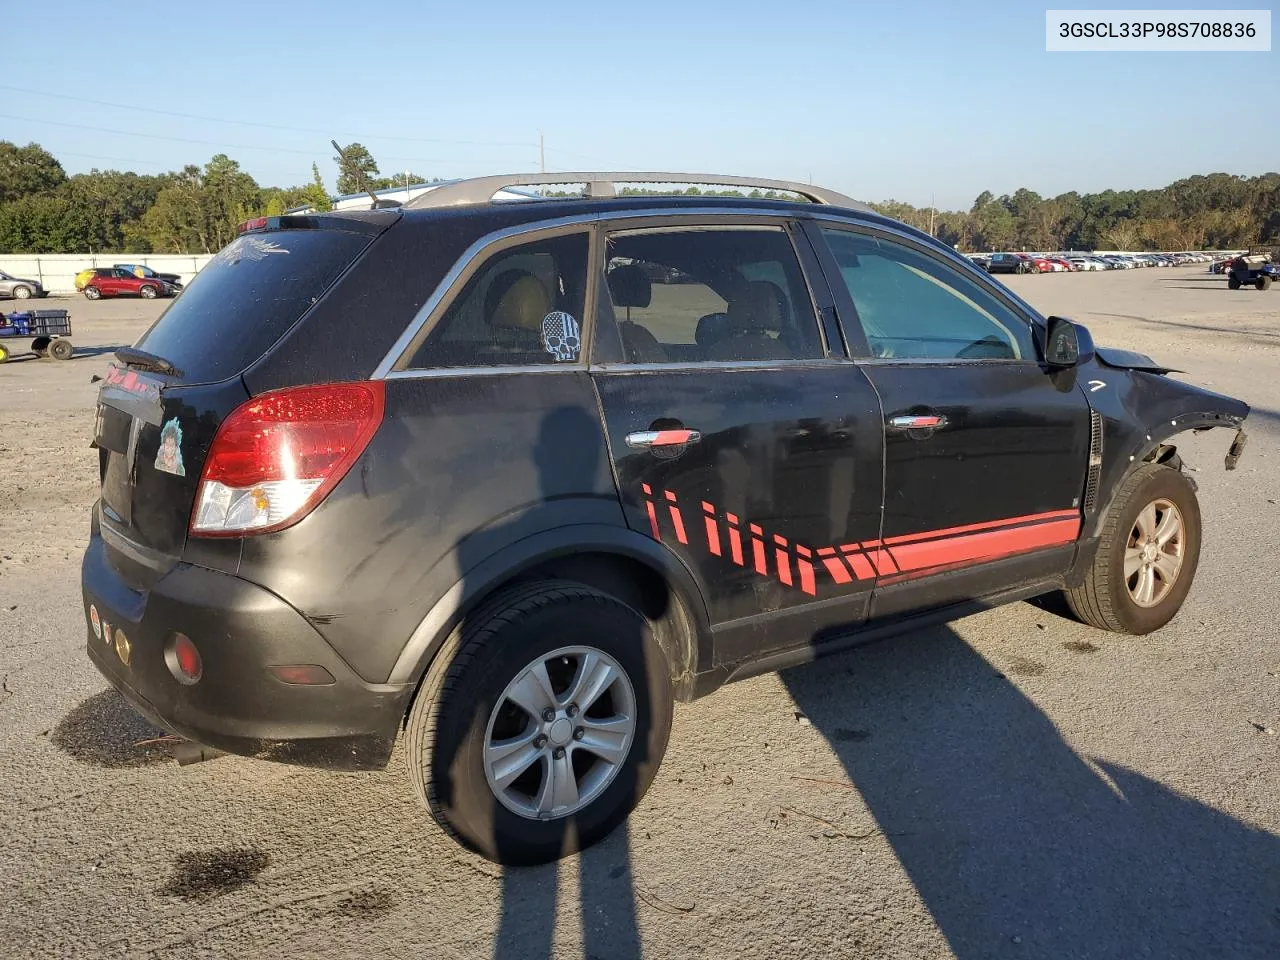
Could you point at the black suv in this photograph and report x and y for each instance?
(503, 480)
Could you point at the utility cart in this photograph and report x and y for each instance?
(47, 330)
(1255, 270)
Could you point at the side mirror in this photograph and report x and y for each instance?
(1061, 343)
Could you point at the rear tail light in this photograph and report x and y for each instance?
(278, 455)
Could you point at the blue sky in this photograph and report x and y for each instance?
(878, 99)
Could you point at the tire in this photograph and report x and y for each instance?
(39, 346)
(463, 699)
(22, 293)
(92, 293)
(1105, 599)
(1035, 268)
(1263, 283)
(1233, 283)
(148, 292)
(4, 353)
(61, 349)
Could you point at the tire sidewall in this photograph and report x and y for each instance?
(1168, 484)
(465, 799)
(22, 293)
(148, 292)
(92, 293)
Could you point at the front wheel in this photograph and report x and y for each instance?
(1147, 554)
(22, 293)
(148, 293)
(1262, 283)
(61, 349)
(541, 724)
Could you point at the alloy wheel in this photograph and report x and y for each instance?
(1154, 551)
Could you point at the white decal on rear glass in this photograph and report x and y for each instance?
(248, 248)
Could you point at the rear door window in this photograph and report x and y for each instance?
(247, 296)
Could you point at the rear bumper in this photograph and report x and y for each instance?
(237, 705)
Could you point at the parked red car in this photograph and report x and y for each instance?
(1064, 264)
(114, 282)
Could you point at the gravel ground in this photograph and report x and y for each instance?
(1013, 785)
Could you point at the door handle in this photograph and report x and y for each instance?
(919, 421)
(647, 439)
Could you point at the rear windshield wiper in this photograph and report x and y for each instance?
(147, 361)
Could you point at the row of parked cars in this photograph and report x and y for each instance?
(127, 280)
(1066, 263)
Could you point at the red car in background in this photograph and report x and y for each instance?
(115, 282)
(1061, 264)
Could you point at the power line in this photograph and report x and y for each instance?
(206, 143)
(255, 123)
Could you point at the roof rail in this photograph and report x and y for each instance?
(604, 185)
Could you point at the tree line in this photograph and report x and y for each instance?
(197, 209)
(193, 210)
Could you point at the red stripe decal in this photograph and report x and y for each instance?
(837, 570)
(735, 540)
(826, 551)
(713, 529)
(806, 577)
(757, 549)
(861, 566)
(653, 520)
(784, 565)
(678, 521)
(803, 551)
(988, 525)
(986, 545)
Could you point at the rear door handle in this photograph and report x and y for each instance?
(918, 421)
(647, 439)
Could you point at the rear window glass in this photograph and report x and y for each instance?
(247, 296)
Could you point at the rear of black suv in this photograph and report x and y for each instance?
(193, 461)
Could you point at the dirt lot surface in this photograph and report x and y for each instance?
(1014, 785)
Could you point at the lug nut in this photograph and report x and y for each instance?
(559, 753)
(573, 710)
(579, 733)
(548, 715)
(540, 741)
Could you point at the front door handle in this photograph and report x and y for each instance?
(918, 421)
(647, 439)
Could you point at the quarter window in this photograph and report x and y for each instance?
(914, 307)
(522, 307)
(713, 294)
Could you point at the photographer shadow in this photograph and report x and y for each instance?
(1018, 845)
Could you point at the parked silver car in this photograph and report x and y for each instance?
(20, 289)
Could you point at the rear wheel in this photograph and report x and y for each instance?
(61, 349)
(541, 724)
(148, 292)
(39, 345)
(1147, 554)
(92, 293)
(1262, 283)
(4, 353)
(22, 293)
(1233, 283)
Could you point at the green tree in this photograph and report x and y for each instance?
(356, 167)
(36, 223)
(27, 170)
(316, 193)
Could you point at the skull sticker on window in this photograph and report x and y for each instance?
(560, 336)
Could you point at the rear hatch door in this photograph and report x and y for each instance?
(161, 403)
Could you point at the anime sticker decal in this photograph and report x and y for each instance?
(169, 456)
(561, 337)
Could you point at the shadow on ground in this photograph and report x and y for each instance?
(1018, 845)
(106, 732)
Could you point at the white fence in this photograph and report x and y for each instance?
(56, 272)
